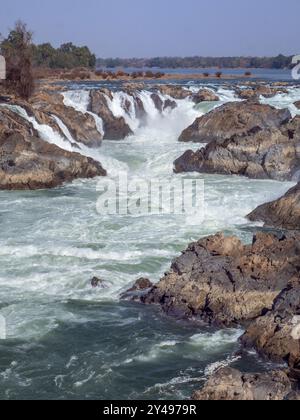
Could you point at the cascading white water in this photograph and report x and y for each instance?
(45, 131)
(80, 100)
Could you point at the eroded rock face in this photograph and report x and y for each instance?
(221, 281)
(27, 162)
(277, 333)
(114, 128)
(234, 119)
(229, 384)
(205, 95)
(282, 213)
(81, 126)
(263, 154)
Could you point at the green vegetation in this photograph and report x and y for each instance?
(279, 62)
(67, 56)
(17, 50)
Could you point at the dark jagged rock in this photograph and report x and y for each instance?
(277, 333)
(115, 128)
(234, 119)
(169, 104)
(221, 281)
(161, 105)
(229, 384)
(158, 102)
(205, 95)
(27, 162)
(283, 213)
(139, 289)
(96, 282)
(297, 104)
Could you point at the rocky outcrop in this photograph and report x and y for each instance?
(234, 119)
(28, 162)
(221, 281)
(176, 92)
(205, 95)
(162, 105)
(115, 128)
(82, 126)
(229, 384)
(276, 334)
(297, 104)
(265, 154)
(282, 213)
(262, 90)
(257, 141)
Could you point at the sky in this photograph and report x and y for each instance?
(150, 28)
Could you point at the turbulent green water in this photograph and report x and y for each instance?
(68, 340)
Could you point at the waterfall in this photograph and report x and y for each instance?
(46, 132)
(80, 100)
(123, 105)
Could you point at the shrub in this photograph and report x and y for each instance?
(219, 74)
(206, 74)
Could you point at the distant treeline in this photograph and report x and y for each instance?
(279, 62)
(67, 56)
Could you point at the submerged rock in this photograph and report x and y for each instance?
(27, 162)
(221, 281)
(115, 128)
(234, 119)
(96, 282)
(139, 289)
(229, 384)
(282, 213)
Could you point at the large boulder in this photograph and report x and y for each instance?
(115, 128)
(283, 213)
(28, 162)
(221, 281)
(263, 154)
(277, 333)
(205, 95)
(228, 384)
(234, 119)
(82, 126)
(176, 92)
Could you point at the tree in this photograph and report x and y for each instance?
(17, 50)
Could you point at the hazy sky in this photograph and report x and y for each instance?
(147, 28)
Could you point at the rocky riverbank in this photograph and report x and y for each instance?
(222, 282)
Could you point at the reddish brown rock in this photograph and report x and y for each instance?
(205, 95)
